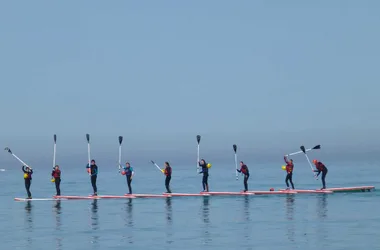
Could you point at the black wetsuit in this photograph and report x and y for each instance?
(245, 171)
(28, 180)
(289, 170)
(128, 174)
(322, 168)
(94, 175)
(204, 171)
(57, 180)
(168, 173)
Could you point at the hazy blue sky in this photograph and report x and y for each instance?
(267, 75)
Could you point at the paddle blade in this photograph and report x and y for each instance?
(152, 161)
(317, 147)
(234, 147)
(55, 138)
(8, 150)
(88, 138)
(303, 149)
(120, 139)
(198, 139)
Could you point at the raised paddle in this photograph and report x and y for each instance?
(198, 141)
(235, 149)
(10, 151)
(306, 150)
(88, 152)
(157, 166)
(120, 142)
(54, 149)
(311, 166)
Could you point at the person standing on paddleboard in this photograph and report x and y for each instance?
(289, 170)
(244, 170)
(168, 173)
(56, 174)
(204, 171)
(321, 168)
(93, 170)
(128, 172)
(28, 179)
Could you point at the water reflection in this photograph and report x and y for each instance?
(169, 210)
(94, 221)
(322, 229)
(290, 217)
(29, 221)
(57, 211)
(246, 208)
(129, 220)
(205, 217)
(247, 219)
(169, 233)
(322, 206)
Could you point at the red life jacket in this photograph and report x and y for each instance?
(56, 173)
(320, 166)
(289, 168)
(244, 169)
(168, 171)
(289, 165)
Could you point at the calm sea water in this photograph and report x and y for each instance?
(302, 221)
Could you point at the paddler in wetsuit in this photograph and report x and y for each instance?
(321, 168)
(204, 171)
(93, 170)
(128, 171)
(168, 173)
(289, 171)
(28, 171)
(244, 170)
(56, 174)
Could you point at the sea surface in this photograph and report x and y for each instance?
(302, 221)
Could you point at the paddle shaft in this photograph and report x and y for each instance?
(311, 166)
(15, 156)
(306, 150)
(89, 153)
(157, 166)
(235, 150)
(120, 142)
(237, 177)
(299, 152)
(198, 141)
(54, 150)
(119, 158)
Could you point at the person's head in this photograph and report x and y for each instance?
(27, 167)
(127, 164)
(56, 167)
(92, 162)
(167, 164)
(241, 163)
(291, 160)
(203, 161)
(315, 161)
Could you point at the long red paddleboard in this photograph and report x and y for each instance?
(306, 191)
(37, 199)
(352, 189)
(76, 197)
(272, 192)
(115, 196)
(184, 194)
(149, 195)
(227, 193)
